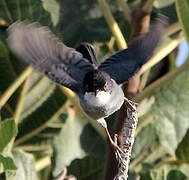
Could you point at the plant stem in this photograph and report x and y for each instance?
(20, 103)
(160, 82)
(147, 7)
(42, 163)
(43, 126)
(172, 29)
(126, 10)
(121, 43)
(161, 53)
(13, 87)
(144, 80)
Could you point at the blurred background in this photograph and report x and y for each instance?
(44, 135)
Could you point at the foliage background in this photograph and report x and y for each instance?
(42, 128)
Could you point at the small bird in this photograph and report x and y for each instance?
(98, 86)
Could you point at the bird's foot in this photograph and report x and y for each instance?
(103, 123)
(113, 142)
(131, 103)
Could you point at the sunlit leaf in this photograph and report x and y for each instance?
(25, 167)
(53, 7)
(67, 149)
(92, 164)
(171, 111)
(49, 111)
(164, 126)
(39, 90)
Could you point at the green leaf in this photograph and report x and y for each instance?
(91, 166)
(7, 75)
(79, 140)
(8, 130)
(182, 150)
(182, 8)
(184, 168)
(164, 126)
(67, 146)
(48, 112)
(155, 174)
(163, 173)
(8, 163)
(146, 143)
(79, 20)
(29, 9)
(171, 111)
(176, 175)
(39, 90)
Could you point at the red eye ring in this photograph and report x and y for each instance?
(105, 86)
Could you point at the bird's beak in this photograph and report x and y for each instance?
(96, 91)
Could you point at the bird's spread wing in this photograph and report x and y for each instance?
(41, 49)
(124, 64)
(88, 52)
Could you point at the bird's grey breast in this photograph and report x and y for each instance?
(103, 103)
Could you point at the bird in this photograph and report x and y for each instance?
(98, 85)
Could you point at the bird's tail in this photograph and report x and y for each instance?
(88, 52)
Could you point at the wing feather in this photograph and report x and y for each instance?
(124, 64)
(38, 47)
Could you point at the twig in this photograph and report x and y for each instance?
(172, 29)
(126, 144)
(139, 24)
(126, 10)
(13, 87)
(42, 163)
(147, 7)
(161, 53)
(20, 103)
(121, 43)
(160, 82)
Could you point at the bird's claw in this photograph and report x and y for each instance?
(130, 103)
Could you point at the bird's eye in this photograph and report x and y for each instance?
(105, 88)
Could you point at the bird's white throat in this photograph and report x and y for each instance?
(101, 97)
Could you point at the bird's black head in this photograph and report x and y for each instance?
(97, 81)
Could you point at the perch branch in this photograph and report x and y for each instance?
(139, 24)
(126, 144)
